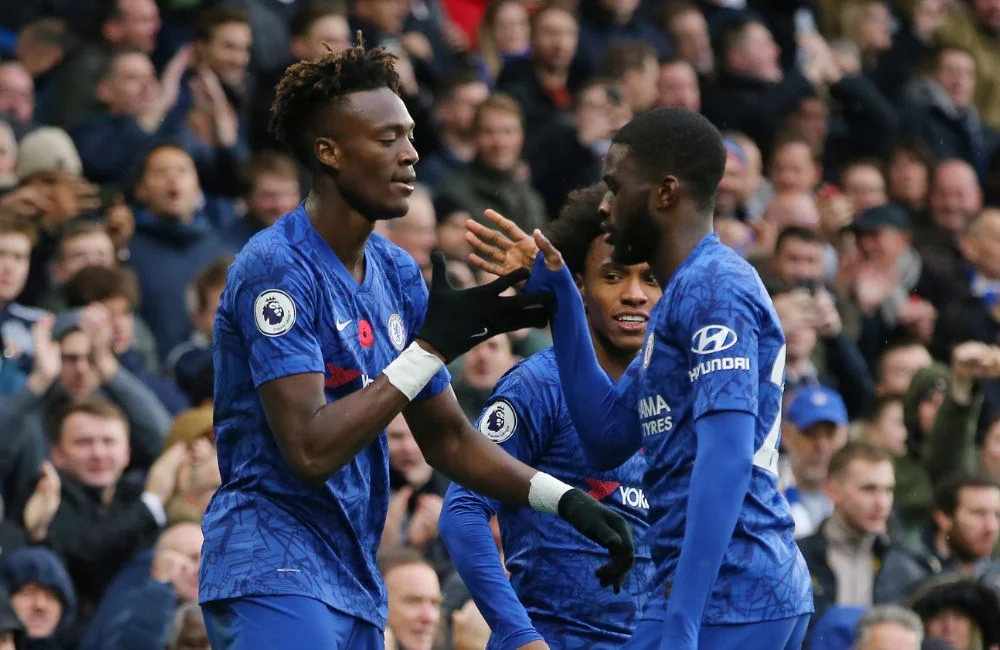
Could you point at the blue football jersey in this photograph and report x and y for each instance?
(290, 307)
(551, 564)
(715, 344)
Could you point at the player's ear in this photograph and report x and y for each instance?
(327, 152)
(667, 192)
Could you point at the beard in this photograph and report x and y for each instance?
(635, 238)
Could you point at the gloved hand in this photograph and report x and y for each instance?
(458, 320)
(605, 527)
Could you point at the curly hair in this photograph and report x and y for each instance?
(309, 86)
(578, 225)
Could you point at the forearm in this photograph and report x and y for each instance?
(719, 484)
(951, 445)
(608, 431)
(470, 459)
(464, 528)
(340, 430)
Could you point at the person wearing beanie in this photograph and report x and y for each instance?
(961, 611)
(42, 595)
(941, 409)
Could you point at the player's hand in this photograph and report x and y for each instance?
(602, 526)
(458, 320)
(502, 250)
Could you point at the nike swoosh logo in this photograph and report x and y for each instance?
(481, 334)
(341, 324)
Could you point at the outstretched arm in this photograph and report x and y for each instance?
(450, 444)
(465, 531)
(602, 411)
(725, 449)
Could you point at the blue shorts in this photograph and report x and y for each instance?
(267, 622)
(783, 634)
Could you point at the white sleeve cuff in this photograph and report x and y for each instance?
(155, 508)
(545, 492)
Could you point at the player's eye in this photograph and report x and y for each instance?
(612, 277)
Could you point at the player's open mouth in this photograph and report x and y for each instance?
(632, 322)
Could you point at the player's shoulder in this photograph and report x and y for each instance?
(529, 377)
(722, 270)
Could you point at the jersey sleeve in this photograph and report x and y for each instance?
(519, 414)
(718, 318)
(415, 293)
(272, 303)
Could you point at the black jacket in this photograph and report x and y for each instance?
(95, 540)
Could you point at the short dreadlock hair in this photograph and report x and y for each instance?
(578, 225)
(309, 87)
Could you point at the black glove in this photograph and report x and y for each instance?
(605, 527)
(459, 320)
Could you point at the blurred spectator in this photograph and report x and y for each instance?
(201, 300)
(955, 199)
(943, 116)
(494, 179)
(42, 595)
(17, 236)
(117, 290)
(504, 35)
(17, 96)
(416, 501)
(885, 428)
(864, 184)
(316, 27)
(604, 21)
(414, 598)
(481, 369)
(11, 627)
(686, 26)
(966, 528)
(167, 573)
(135, 104)
(455, 104)
(143, 616)
(909, 177)
(199, 477)
(752, 94)
(8, 157)
(416, 233)
(272, 191)
(795, 165)
(889, 627)
(896, 366)
(897, 294)
(678, 85)
(813, 430)
(81, 244)
(212, 103)
(635, 66)
(569, 153)
(543, 83)
(102, 520)
(188, 629)
(451, 219)
(963, 612)
(172, 243)
(122, 26)
(846, 552)
(973, 26)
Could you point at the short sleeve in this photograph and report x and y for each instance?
(272, 302)
(518, 415)
(718, 321)
(415, 293)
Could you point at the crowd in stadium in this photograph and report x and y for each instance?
(862, 180)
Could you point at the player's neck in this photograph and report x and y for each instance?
(676, 243)
(612, 360)
(343, 229)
